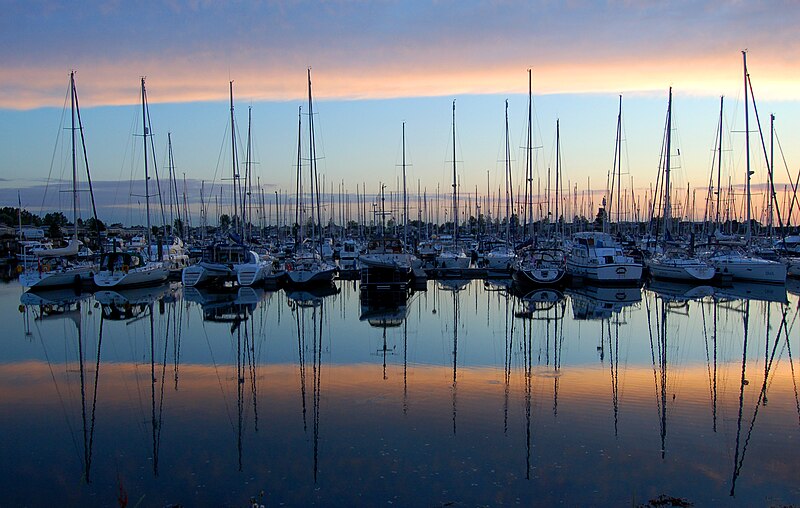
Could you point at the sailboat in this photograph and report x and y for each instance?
(452, 255)
(132, 267)
(675, 263)
(502, 256)
(386, 253)
(58, 267)
(172, 251)
(229, 260)
(306, 265)
(536, 265)
(731, 260)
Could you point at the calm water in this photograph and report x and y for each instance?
(464, 393)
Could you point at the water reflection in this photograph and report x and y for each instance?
(385, 310)
(309, 313)
(69, 305)
(541, 396)
(591, 302)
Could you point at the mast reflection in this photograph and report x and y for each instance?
(234, 307)
(309, 311)
(454, 287)
(53, 305)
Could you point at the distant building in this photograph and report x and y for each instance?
(29, 233)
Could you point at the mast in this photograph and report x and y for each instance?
(405, 195)
(145, 133)
(528, 149)
(312, 150)
(236, 219)
(173, 178)
(619, 163)
(558, 170)
(455, 181)
(508, 181)
(748, 231)
(667, 203)
(247, 197)
(74, 162)
(298, 212)
(719, 162)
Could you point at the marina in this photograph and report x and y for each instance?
(238, 282)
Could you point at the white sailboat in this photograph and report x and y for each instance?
(536, 265)
(452, 255)
(387, 253)
(675, 263)
(307, 266)
(58, 267)
(230, 261)
(502, 256)
(134, 268)
(729, 260)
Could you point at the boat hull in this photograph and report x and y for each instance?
(539, 276)
(203, 274)
(303, 276)
(144, 276)
(75, 276)
(681, 271)
(251, 274)
(751, 269)
(617, 273)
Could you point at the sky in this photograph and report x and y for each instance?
(375, 65)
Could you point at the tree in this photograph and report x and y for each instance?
(224, 221)
(11, 217)
(178, 226)
(94, 225)
(54, 221)
(600, 219)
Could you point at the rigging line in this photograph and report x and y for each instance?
(506, 374)
(250, 355)
(86, 163)
(83, 399)
(783, 325)
(301, 363)
(652, 353)
(745, 320)
(770, 166)
(55, 145)
(219, 379)
(791, 365)
(154, 161)
(708, 356)
(219, 161)
(794, 183)
(157, 446)
(762, 397)
(178, 318)
(94, 398)
(58, 391)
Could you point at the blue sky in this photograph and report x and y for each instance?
(377, 64)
